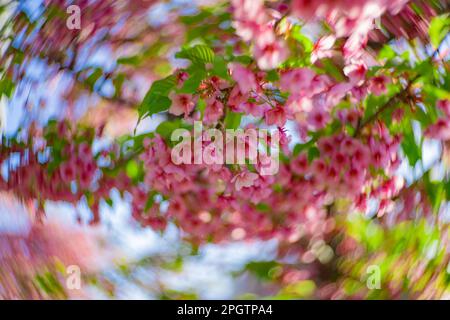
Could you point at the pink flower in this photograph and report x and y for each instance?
(332, 176)
(318, 118)
(298, 104)
(360, 156)
(327, 146)
(269, 53)
(284, 140)
(299, 165)
(396, 6)
(67, 171)
(297, 81)
(181, 104)
(359, 93)
(349, 116)
(181, 77)
(356, 72)
(444, 106)
(245, 78)
(319, 168)
(248, 26)
(337, 92)
(378, 85)
(84, 151)
(79, 163)
(348, 145)
(213, 111)
(306, 9)
(339, 159)
(355, 177)
(85, 179)
(236, 99)
(323, 48)
(353, 47)
(249, 17)
(252, 24)
(440, 130)
(380, 156)
(265, 166)
(276, 116)
(244, 179)
(256, 110)
(319, 84)
(243, 9)
(157, 223)
(90, 167)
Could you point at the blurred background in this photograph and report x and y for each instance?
(93, 79)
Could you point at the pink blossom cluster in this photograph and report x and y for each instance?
(313, 97)
(161, 173)
(81, 167)
(353, 20)
(33, 176)
(96, 16)
(411, 22)
(38, 252)
(247, 96)
(441, 129)
(254, 24)
(350, 19)
(311, 102)
(222, 203)
(202, 198)
(343, 167)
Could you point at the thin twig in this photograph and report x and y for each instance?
(390, 102)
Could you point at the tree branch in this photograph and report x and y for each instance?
(402, 94)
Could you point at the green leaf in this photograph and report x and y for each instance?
(372, 104)
(262, 269)
(201, 106)
(191, 84)
(49, 283)
(155, 104)
(156, 99)
(109, 202)
(6, 87)
(439, 28)
(195, 18)
(386, 53)
(131, 60)
(313, 153)
(118, 82)
(299, 147)
(162, 87)
(233, 120)
(245, 60)
(409, 146)
(304, 288)
(436, 191)
(426, 70)
(94, 76)
(297, 34)
(447, 189)
(174, 265)
(272, 76)
(132, 169)
(332, 70)
(166, 128)
(197, 54)
(263, 207)
(220, 68)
